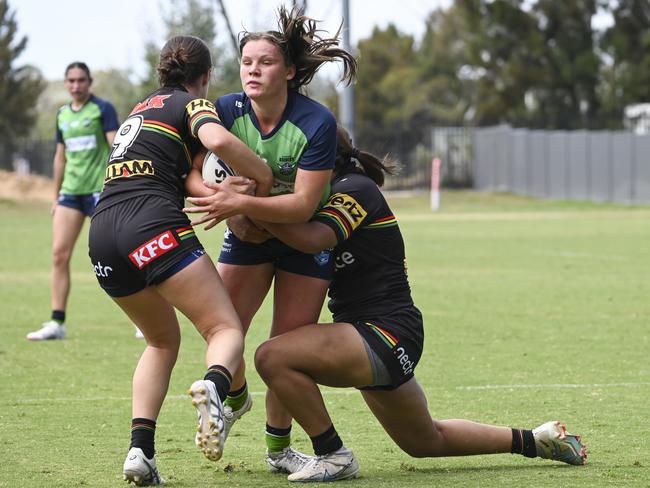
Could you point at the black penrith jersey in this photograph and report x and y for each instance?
(153, 149)
(370, 273)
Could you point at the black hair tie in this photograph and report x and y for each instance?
(354, 154)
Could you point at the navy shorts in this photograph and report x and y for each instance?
(236, 251)
(397, 339)
(140, 242)
(84, 203)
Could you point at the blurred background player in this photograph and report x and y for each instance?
(151, 260)
(85, 129)
(376, 339)
(296, 136)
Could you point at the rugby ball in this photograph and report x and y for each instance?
(215, 170)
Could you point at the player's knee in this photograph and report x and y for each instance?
(266, 360)
(60, 257)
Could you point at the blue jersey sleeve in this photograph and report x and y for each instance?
(320, 153)
(109, 115)
(229, 107)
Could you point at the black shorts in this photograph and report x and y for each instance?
(397, 339)
(140, 242)
(236, 251)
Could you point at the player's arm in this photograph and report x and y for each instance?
(237, 155)
(294, 207)
(110, 137)
(308, 237)
(194, 182)
(59, 168)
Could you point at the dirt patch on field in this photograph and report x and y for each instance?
(25, 187)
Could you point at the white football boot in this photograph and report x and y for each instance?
(210, 432)
(50, 330)
(230, 416)
(335, 466)
(288, 460)
(141, 471)
(554, 442)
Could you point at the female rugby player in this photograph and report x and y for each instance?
(147, 257)
(296, 136)
(375, 341)
(85, 128)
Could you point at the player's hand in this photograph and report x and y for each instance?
(217, 207)
(240, 184)
(246, 230)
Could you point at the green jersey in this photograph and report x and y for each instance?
(83, 132)
(304, 138)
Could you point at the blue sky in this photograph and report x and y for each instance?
(112, 33)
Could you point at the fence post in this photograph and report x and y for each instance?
(435, 184)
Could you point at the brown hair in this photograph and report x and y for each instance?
(81, 65)
(347, 157)
(299, 41)
(183, 59)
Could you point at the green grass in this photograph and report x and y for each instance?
(534, 310)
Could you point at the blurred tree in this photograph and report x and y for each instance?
(196, 18)
(446, 80)
(627, 47)
(567, 95)
(387, 76)
(537, 62)
(19, 87)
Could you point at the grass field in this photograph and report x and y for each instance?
(534, 311)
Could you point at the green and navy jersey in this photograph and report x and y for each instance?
(153, 149)
(304, 138)
(83, 133)
(370, 277)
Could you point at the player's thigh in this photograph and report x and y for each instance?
(198, 293)
(331, 354)
(297, 300)
(247, 286)
(66, 226)
(153, 315)
(404, 415)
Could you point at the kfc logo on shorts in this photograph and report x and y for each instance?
(153, 249)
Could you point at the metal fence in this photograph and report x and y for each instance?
(453, 145)
(30, 156)
(578, 165)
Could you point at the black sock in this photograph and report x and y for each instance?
(221, 378)
(523, 442)
(58, 316)
(236, 393)
(143, 432)
(328, 441)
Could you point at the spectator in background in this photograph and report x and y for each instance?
(85, 129)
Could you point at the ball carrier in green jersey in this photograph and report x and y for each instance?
(376, 340)
(297, 138)
(85, 129)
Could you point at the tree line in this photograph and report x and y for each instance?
(527, 63)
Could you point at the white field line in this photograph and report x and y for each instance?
(555, 386)
(350, 391)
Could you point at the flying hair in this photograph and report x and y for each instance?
(302, 46)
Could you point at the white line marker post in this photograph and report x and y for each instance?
(435, 184)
